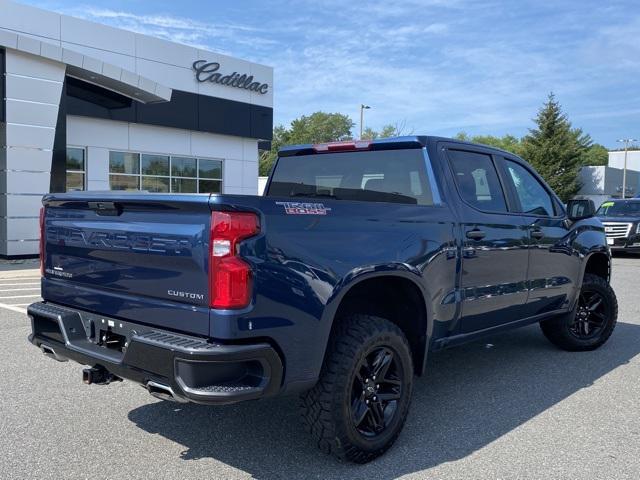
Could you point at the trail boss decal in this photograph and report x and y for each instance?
(297, 208)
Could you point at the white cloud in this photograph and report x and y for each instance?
(178, 29)
(441, 65)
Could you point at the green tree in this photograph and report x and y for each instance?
(463, 137)
(267, 157)
(319, 127)
(369, 134)
(555, 149)
(596, 154)
(387, 131)
(507, 142)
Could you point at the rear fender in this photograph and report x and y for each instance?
(362, 274)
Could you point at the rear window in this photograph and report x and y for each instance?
(397, 176)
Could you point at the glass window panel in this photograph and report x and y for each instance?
(155, 165)
(183, 167)
(477, 180)
(210, 168)
(377, 176)
(155, 184)
(124, 162)
(184, 185)
(210, 186)
(75, 159)
(124, 182)
(75, 181)
(533, 196)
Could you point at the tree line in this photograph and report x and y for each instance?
(553, 146)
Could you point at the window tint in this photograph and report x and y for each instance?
(155, 165)
(124, 162)
(211, 169)
(163, 173)
(75, 159)
(210, 186)
(393, 176)
(124, 182)
(533, 197)
(477, 180)
(75, 169)
(184, 167)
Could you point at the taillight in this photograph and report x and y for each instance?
(41, 249)
(230, 279)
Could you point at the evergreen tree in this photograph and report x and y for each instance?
(555, 149)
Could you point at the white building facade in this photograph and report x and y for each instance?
(616, 159)
(87, 106)
(601, 183)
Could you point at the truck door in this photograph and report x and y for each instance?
(493, 287)
(553, 267)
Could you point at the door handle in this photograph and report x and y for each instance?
(476, 234)
(537, 234)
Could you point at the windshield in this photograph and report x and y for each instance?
(397, 176)
(619, 209)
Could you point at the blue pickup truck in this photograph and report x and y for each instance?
(360, 260)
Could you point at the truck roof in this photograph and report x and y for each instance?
(391, 143)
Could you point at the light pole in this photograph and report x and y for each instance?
(363, 107)
(626, 142)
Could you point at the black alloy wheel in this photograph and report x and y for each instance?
(591, 315)
(592, 321)
(360, 403)
(377, 388)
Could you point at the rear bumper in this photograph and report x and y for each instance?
(192, 369)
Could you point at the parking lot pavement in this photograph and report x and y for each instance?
(511, 406)
(18, 286)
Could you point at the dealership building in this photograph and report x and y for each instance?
(88, 106)
(601, 183)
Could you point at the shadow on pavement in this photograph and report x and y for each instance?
(471, 396)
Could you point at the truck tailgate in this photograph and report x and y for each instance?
(138, 257)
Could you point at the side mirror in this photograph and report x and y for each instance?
(580, 209)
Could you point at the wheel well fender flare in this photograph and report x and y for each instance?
(354, 279)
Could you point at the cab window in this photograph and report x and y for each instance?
(533, 197)
(477, 180)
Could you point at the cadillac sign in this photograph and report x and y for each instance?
(210, 72)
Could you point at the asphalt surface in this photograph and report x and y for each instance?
(511, 406)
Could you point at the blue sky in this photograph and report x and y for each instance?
(435, 66)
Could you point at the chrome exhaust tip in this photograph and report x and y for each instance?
(163, 392)
(51, 353)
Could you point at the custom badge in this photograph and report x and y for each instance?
(298, 208)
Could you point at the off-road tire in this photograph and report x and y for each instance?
(559, 329)
(327, 408)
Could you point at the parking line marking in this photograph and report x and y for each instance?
(17, 284)
(13, 308)
(13, 277)
(20, 296)
(17, 289)
(10, 281)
